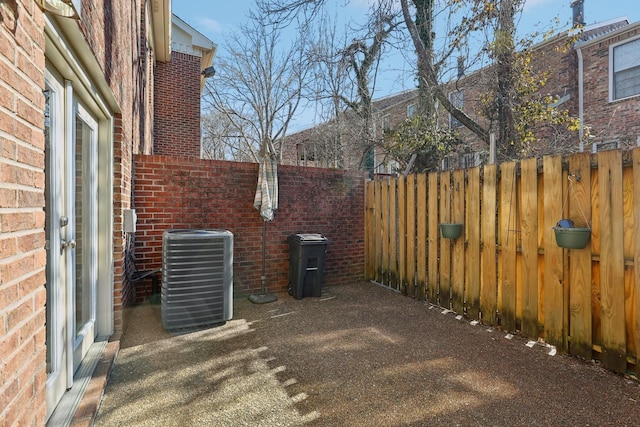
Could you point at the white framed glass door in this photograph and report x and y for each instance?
(55, 224)
(71, 229)
(85, 206)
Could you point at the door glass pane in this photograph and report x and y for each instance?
(84, 224)
(47, 224)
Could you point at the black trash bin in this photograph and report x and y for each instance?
(306, 264)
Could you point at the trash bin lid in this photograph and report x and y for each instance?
(308, 237)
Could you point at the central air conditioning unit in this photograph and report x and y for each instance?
(197, 278)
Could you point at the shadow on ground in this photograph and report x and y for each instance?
(360, 355)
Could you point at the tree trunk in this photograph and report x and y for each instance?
(506, 94)
(431, 78)
(424, 25)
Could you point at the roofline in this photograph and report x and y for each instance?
(199, 39)
(568, 33)
(605, 23)
(579, 44)
(406, 91)
(614, 33)
(161, 27)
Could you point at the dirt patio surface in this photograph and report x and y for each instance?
(361, 355)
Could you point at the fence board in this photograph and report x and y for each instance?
(629, 313)
(402, 235)
(378, 236)
(518, 235)
(636, 268)
(596, 324)
(433, 235)
(488, 295)
(508, 241)
(553, 255)
(392, 233)
(369, 206)
(410, 237)
(421, 237)
(541, 233)
(580, 329)
(386, 253)
(612, 261)
(529, 245)
(472, 229)
(458, 253)
(445, 244)
(629, 231)
(627, 212)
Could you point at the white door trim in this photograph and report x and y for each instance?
(70, 59)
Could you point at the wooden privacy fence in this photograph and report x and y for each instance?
(506, 269)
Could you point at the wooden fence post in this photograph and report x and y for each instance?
(433, 263)
(399, 234)
(614, 350)
(410, 236)
(445, 244)
(421, 237)
(473, 230)
(488, 286)
(580, 330)
(636, 258)
(553, 256)
(458, 191)
(508, 242)
(529, 245)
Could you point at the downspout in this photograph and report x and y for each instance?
(580, 97)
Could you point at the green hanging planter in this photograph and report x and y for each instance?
(450, 231)
(572, 237)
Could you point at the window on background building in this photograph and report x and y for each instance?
(411, 110)
(306, 152)
(386, 123)
(462, 160)
(605, 146)
(457, 99)
(469, 160)
(624, 74)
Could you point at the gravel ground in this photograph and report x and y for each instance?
(360, 355)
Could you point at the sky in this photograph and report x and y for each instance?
(216, 18)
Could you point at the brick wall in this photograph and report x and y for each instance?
(173, 193)
(177, 106)
(617, 120)
(125, 58)
(22, 254)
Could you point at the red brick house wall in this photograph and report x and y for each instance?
(125, 59)
(177, 106)
(22, 254)
(617, 120)
(120, 56)
(174, 193)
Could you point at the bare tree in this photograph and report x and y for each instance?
(258, 87)
(221, 140)
(466, 22)
(363, 58)
(330, 86)
(346, 73)
(429, 73)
